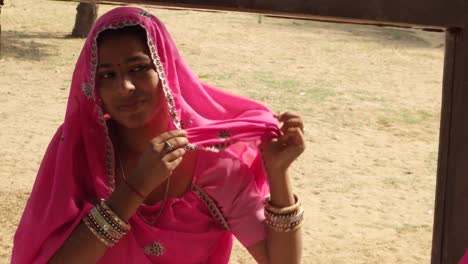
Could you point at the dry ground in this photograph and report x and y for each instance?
(370, 98)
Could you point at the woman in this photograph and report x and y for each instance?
(152, 165)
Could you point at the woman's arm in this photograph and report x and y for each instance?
(283, 247)
(278, 155)
(82, 246)
(279, 247)
(155, 165)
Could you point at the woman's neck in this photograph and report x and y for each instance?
(132, 141)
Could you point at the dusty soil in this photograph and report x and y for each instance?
(370, 98)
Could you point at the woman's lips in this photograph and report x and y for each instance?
(131, 106)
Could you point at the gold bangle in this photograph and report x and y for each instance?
(96, 233)
(124, 226)
(284, 210)
(286, 219)
(105, 224)
(101, 230)
(109, 219)
(269, 213)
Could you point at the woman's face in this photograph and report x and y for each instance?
(127, 82)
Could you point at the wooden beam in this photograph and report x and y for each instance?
(436, 14)
(450, 233)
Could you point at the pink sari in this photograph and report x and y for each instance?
(464, 259)
(77, 170)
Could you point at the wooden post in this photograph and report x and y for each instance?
(450, 234)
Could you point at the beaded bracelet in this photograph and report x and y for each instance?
(96, 233)
(115, 218)
(285, 227)
(105, 224)
(110, 220)
(108, 227)
(284, 219)
(101, 230)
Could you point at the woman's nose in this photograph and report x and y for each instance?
(127, 85)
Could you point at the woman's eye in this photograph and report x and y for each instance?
(139, 68)
(106, 75)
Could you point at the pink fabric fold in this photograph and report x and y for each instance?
(78, 167)
(464, 259)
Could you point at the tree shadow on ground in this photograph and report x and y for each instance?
(412, 38)
(27, 45)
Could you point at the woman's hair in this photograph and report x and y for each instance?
(136, 31)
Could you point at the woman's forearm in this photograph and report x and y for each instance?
(283, 247)
(82, 246)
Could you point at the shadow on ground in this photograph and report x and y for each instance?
(411, 38)
(27, 45)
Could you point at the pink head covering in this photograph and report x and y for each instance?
(78, 167)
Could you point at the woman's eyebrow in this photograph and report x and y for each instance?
(104, 65)
(136, 58)
(128, 60)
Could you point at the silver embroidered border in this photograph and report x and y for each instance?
(87, 90)
(212, 207)
(162, 77)
(89, 93)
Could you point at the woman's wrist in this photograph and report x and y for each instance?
(124, 202)
(281, 193)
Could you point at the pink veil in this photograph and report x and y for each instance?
(78, 166)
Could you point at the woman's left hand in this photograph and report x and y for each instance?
(280, 152)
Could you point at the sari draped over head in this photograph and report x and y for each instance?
(78, 167)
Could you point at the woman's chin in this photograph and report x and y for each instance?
(138, 119)
(133, 123)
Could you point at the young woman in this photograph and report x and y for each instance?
(153, 166)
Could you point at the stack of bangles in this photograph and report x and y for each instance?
(105, 224)
(284, 219)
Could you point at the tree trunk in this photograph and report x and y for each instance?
(86, 14)
(1, 4)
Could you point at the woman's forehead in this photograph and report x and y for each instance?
(135, 31)
(122, 48)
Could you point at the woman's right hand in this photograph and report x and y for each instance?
(158, 161)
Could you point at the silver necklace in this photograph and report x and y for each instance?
(165, 194)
